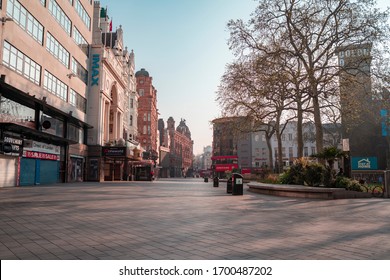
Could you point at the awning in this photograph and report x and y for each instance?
(35, 134)
(26, 99)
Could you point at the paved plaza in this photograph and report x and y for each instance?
(185, 219)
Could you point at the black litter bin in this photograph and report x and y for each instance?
(216, 182)
(206, 179)
(238, 184)
(229, 186)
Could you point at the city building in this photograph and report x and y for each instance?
(112, 104)
(44, 67)
(180, 149)
(361, 108)
(225, 141)
(147, 113)
(249, 152)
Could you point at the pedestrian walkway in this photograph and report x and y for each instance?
(185, 219)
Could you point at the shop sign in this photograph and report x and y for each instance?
(12, 146)
(39, 155)
(364, 163)
(114, 151)
(36, 146)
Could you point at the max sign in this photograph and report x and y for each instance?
(95, 69)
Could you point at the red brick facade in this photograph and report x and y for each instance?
(147, 111)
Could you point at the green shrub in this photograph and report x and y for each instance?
(272, 179)
(342, 182)
(313, 174)
(354, 186)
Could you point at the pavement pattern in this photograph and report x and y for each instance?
(185, 219)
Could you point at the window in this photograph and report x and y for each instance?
(131, 120)
(57, 50)
(83, 14)
(290, 137)
(283, 152)
(22, 64)
(305, 151)
(60, 16)
(80, 41)
(283, 137)
(148, 116)
(78, 101)
(79, 70)
(55, 86)
(313, 150)
(290, 152)
(141, 92)
(75, 133)
(11, 111)
(131, 103)
(43, 2)
(25, 20)
(144, 129)
(145, 117)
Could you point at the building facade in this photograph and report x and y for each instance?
(360, 107)
(112, 104)
(250, 151)
(181, 149)
(147, 113)
(44, 62)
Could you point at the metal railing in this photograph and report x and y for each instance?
(381, 177)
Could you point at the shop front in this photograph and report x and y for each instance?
(37, 138)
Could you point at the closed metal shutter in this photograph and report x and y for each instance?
(27, 172)
(8, 172)
(49, 171)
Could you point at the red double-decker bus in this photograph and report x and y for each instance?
(221, 164)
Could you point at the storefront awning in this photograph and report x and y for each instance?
(35, 134)
(26, 99)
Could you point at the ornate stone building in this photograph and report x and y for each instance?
(181, 149)
(112, 103)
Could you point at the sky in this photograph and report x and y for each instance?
(183, 44)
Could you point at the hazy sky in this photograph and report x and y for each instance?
(183, 46)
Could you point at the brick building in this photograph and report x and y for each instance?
(147, 112)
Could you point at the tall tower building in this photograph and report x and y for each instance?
(147, 111)
(360, 109)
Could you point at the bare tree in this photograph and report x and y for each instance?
(310, 32)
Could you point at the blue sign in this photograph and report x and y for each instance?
(384, 121)
(364, 163)
(95, 69)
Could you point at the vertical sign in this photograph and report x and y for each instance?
(384, 121)
(95, 69)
